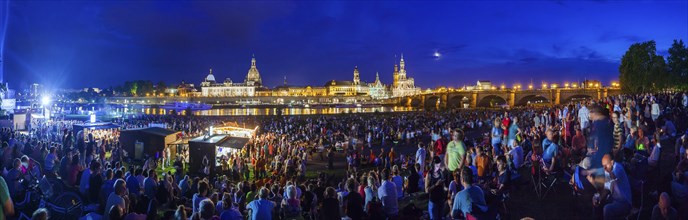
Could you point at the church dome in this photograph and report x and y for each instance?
(210, 77)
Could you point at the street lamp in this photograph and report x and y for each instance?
(530, 86)
(566, 85)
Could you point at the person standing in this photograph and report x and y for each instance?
(584, 118)
(456, 152)
(655, 112)
(330, 158)
(496, 134)
(388, 195)
(420, 157)
(353, 202)
(514, 130)
(434, 186)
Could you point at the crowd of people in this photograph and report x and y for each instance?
(465, 163)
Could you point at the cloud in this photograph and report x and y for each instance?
(610, 36)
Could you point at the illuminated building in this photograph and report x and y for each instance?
(403, 86)
(211, 88)
(253, 76)
(377, 90)
(483, 85)
(347, 88)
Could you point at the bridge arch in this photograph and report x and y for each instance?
(491, 101)
(416, 102)
(432, 103)
(458, 101)
(531, 99)
(576, 98)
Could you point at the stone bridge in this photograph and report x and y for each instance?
(501, 97)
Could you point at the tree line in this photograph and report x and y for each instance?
(141, 88)
(643, 70)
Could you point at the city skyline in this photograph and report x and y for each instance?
(102, 44)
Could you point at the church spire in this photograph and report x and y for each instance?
(401, 62)
(357, 76)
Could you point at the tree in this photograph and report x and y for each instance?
(144, 87)
(160, 87)
(677, 63)
(131, 87)
(641, 69)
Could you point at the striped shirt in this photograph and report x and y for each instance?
(618, 136)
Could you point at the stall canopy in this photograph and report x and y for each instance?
(149, 141)
(94, 126)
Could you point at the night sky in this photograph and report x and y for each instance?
(74, 44)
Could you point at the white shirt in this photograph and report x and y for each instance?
(584, 116)
(420, 157)
(113, 200)
(655, 109)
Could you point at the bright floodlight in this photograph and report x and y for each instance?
(45, 101)
(437, 54)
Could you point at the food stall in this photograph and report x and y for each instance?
(148, 141)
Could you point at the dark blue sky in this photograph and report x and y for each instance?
(75, 44)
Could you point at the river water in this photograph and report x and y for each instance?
(247, 111)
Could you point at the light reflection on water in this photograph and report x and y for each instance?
(273, 111)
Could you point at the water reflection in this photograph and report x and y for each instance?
(275, 111)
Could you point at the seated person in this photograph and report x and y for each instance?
(503, 179)
(550, 152)
(516, 157)
(616, 182)
(579, 144)
(663, 209)
(679, 191)
(653, 159)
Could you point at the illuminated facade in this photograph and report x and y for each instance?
(403, 86)
(252, 86)
(347, 88)
(211, 88)
(377, 90)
